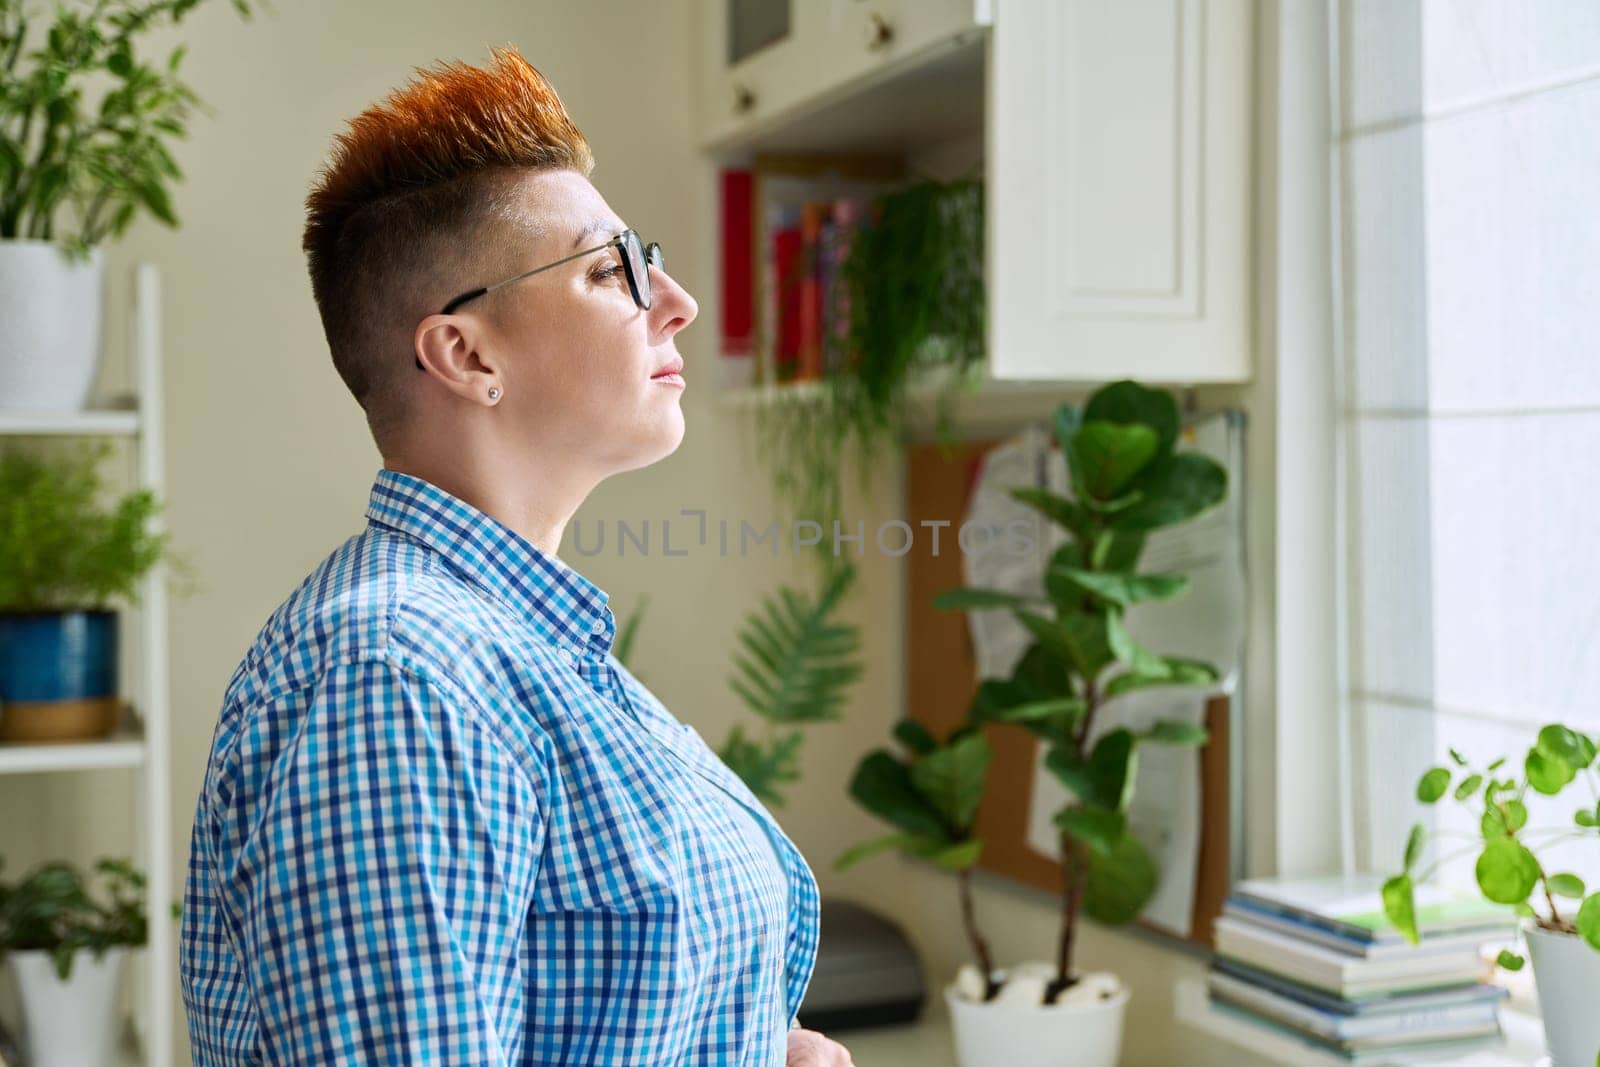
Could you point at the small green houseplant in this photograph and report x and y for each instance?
(793, 667)
(67, 559)
(64, 945)
(1564, 939)
(1128, 479)
(911, 294)
(85, 126)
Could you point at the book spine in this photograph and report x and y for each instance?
(785, 261)
(808, 298)
(738, 340)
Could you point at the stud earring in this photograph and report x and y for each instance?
(494, 393)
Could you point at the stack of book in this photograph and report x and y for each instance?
(1317, 958)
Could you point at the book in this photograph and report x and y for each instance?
(1417, 1024)
(1384, 1054)
(1353, 907)
(808, 300)
(738, 332)
(1338, 972)
(1371, 1005)
(1372, 949)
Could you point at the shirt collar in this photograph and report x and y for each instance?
(562, 604)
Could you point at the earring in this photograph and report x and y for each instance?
(494, 392)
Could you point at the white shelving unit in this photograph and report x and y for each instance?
(143, 745)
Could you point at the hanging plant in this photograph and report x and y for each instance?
(911, 291)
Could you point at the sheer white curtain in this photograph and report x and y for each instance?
(1468, 226)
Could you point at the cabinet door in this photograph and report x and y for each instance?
(813, 49)
(1119, 177)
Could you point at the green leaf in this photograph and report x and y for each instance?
(1056, 508)
(979, 599)
(1433, 785)
(1469, 785)
(1077, 640)
(1139, 659)
(857, 853)
(1588, 920)
(1062, 710)
(1399, 906)
(1506, 871)
(795, 661)
(1509, 960)
(915, 736)
(1175, 490)
(1106, 778)
(1178, 672)
(952, 779)
(1124, 589)
(1560, 743)
(1496, 765)
(1105, 457)
(1524, 910)
(1414, 846)
(1493, 823)
(883, 786)
(1129, 402)
(1457, 758)
(956, 857)
(1171, 732)
(1585, 817)
(1567, 885)
(1118, 885)
(1546, 773)
(1098, 828)
(154, 198)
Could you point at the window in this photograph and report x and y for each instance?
(1468, 156)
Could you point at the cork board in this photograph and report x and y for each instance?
(941, 680)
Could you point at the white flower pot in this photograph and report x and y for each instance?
(50, 314)
(1566, 970)
(72, 1022)
(1000, 1034)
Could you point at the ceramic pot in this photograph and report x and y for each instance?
(71, 1022)
(50, 317)
(1566, 970)
(998, 1034)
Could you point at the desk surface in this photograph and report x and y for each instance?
(926, 1042)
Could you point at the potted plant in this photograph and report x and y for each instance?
(65, 560)
(66, 949)
(1127, 480)
(1563, 939)
(104, 160)
(909, 297)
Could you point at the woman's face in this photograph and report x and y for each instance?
(580, 360)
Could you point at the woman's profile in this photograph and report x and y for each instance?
(440, 823)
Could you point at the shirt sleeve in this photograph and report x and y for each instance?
(380, 850)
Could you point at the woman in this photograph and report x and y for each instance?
(441, 823)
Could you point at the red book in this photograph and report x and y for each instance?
(809, 299)
(786, 262)
(738, 333)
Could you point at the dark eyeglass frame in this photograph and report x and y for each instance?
(638, 281)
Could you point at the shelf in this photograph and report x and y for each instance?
(125, 748)
(922, 98)
(114, 422)
(1523, 1046)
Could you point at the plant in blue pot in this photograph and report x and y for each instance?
(64, 560)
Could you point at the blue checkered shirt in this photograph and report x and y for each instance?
(442, 824)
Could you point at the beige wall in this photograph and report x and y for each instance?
(269, 461)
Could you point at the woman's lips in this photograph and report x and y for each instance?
(670, 379)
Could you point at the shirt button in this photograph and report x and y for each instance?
(599, 626)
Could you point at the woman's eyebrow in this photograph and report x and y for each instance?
(594, 226)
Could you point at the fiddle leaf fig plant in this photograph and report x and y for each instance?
(1128, 479)
(1508, 869)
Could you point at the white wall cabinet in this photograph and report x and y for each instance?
(1117, 145)
(817, 48)
(1120, 162)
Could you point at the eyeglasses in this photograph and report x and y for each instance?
(637, 259)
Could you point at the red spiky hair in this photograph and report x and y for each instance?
(414, 206)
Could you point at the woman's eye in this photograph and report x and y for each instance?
(607, 273)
